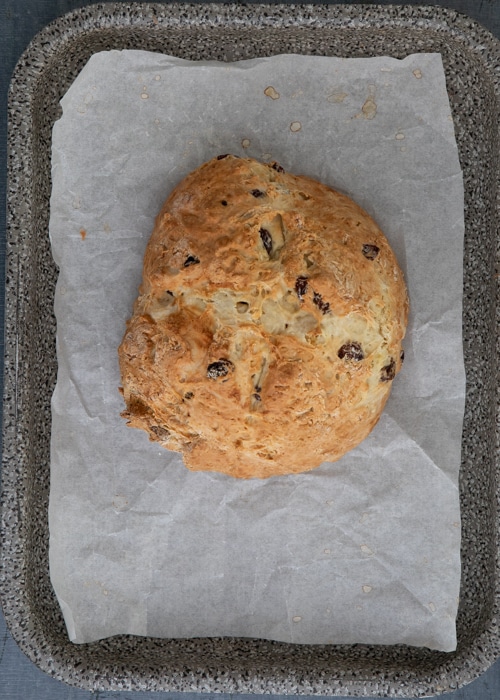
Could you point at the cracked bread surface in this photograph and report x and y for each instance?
(268, 327)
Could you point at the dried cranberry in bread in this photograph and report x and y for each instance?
(268, 326)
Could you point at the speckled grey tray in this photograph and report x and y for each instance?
(230, 32)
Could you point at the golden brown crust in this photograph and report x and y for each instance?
(268, 326)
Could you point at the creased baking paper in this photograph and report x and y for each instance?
(362, 550)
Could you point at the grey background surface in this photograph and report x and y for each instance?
(20, 20)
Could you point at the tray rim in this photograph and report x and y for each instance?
(30, 66)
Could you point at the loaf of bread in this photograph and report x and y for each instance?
(268, 327)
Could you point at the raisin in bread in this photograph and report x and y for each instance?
(268, 326)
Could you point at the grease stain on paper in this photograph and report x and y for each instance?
(337, 97)
(369, 108)
(271, 92)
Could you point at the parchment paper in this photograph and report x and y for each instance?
(363, 550)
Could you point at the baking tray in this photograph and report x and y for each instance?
(231, 32)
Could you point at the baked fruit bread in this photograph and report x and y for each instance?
(268, 326)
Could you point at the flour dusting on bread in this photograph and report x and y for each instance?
(268, 327)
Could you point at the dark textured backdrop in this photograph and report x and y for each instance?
(20, 20)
